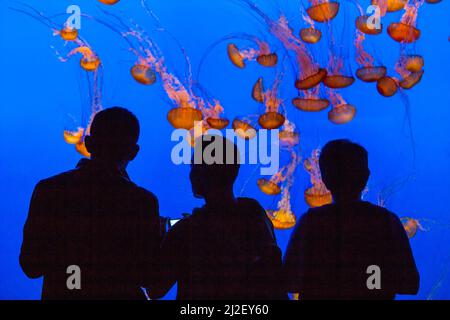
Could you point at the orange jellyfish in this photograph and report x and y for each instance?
(262, 55)
(363, 26)
(271, 118)
(69, 34)
(90, 61)
(410, 72)
(318, 195)
(143, 74)
(73, 137)
(184, 117)
(244, 129)
(367, 72)
(309, 72)
(310, 102)
(387, 86)
(390, 5)
(109, 2)
(81, 149)
(412, 62)
(310, 34)
(411, 226)
(322, 11)
(288, 136)
(213, 116)
(338, 77)
(283, 218)
(341, 112)
(272, 186)
(405, 31)
(258, 91)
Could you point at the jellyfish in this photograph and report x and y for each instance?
(271, 118)
(322, 11)
(109, 2)
(143, 74)
(363, 26)
(244, 129)
(68, 33)
(337, 77)
(318, 194)
(409, 67)
(74, 137)
(310, 34)
(309, 73)
(262, 55)
(341, 112)
(288, 136)
(387, 86)
(272, 186)
(283, 218)
(310, 101)
(390, 5)
(405, 31)
(367, 72)
(411, 226)
(258, 91)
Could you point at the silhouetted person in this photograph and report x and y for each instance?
(95, 218)
(333, 246)
(227, 248)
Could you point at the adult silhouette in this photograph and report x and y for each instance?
(227, 248)
(91, 232)
(349, 249)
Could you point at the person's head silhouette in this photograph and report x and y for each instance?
(215, 166)
(345, 170)
(113, 136)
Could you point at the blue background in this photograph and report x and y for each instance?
(38, 92)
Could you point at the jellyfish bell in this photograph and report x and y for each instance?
(338, 81)
(267, 60)
(363, 26)
(184, 117)
(370, 74)
(143, 74)
(282, 219)
(268, 187)
(323, 12)
(411, 80)
(310, 105)
(392, 5)
(342, 114)
(411, 226)
(73, 137)
(311, 81)
(68, 33)
(271, 120)
(288, 138)
(257, 91)
(109, 2)
(317, 197)
(90, 63)
(387, 86)
(310, 35)
(243, 129)
(217, 123)
(81, 149)
(412, 63)
(432, 1)
(235, 56)
(403, 33)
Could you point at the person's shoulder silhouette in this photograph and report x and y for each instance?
(91, 232)
(349, 249)
(227, 248)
